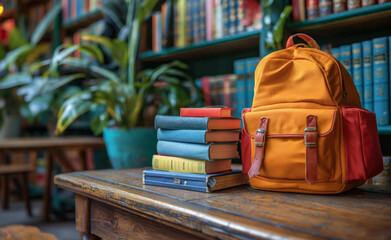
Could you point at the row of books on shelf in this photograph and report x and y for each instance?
(72, 9)
(369, 64)
(311, 9)
(195, 151)
(232, 90)
(36, 13)
(184, 22)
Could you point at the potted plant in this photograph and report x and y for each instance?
(14, 73)
(123, 98)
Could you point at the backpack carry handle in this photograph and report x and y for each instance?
(311, 42)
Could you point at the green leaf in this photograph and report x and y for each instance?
(99, 123)
(99, 39)
(120, 52)
(38, 51)
(16, 39)
(105, 73)
(13, 56)
(92, 51)
(278, 29)
(45, 23)
(72, 109)
(38, 105)
(37, 65)
(14, 80)
(2, 53)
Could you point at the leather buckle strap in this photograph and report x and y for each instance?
(311, 155)
(259, 142)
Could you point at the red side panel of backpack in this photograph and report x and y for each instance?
(245, 147)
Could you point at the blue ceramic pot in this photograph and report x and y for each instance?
(130, 148)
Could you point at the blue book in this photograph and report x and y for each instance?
(367, 75)
(194, 181)
(202, 20)
(232, 17)
(380, 80)
(336, 52)
(200, 123)
(251, 65)
(232, 93)
(346, 58)
(208, 152)
(357, 69)
(197, 136)
(241, 85)
(225, 9)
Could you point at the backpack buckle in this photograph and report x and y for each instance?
(261, 143)
(308, 130)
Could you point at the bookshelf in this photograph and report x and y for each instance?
(83, 21)
(230, 44)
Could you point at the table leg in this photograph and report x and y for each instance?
(83, 217)
(62, 160)
(47, 203)
(26, 194)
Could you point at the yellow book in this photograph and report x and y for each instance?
(178, 164)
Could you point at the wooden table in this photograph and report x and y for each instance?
(113, 204)
(55, 148)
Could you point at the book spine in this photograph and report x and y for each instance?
(336, 52)
(227, 90)
(346, 58)
(225, 10)
(218, 19)
(185, 150)
(325, 7)
(357, 69)
(171, 122)
(176, 25)
(195, 21)
(302, 10)
(380, 78)
(209, 19)
(312, 9)
(181, 23)
(201, 112)
(251, 65)
(174, 164)
(164, 24)
(295, 10)
(202, 21)
(239, 16)
(154, 32)
(181, 135)
(190, 11)
(367, 75)
(240, 70)
(220, 90)
(339, 6)
(207, 91)
(354, 4)
(366, 3)
(233, 101)
(64, 4)
(232, 17)
(214, 90)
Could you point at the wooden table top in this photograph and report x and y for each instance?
(51, 142)
(243, 212)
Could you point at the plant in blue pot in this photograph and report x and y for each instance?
(123, 99)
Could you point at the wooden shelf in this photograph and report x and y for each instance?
(384, 130)
(83, 21)
(8, 14)
(230, 44)
(363, 20)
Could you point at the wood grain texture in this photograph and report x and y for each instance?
(242, 212)
(112, 223)
(82, 210)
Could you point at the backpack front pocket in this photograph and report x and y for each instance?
(286, 152)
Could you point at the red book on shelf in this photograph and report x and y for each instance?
(295, 12)
(206, 112)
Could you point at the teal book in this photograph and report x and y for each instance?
(225, 9)
(357, 69)
(367, 75)
(336, 52)
(251, 65)
(346, 58)
(241, 84)
(381, 82)
(197, 136)
(202, 20)
(208, 152)
(232, 23)
(194, 181)
(200, 123)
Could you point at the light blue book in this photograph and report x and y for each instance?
(194, 181)
(381, 82)
(197, 136)
(346, 58)
(207, 152)
(241, 85)
(251, 65)
(367, 75)
(357, 69)
(336, 52)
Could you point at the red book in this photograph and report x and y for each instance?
(312, 9)
(295, 12)
(206, 112)
(206, 90)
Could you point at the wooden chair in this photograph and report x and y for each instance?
(9, 170)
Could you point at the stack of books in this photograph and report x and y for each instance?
(195, 151)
